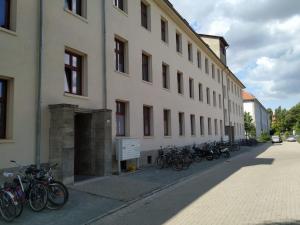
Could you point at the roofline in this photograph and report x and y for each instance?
(215, 36)
(170, 6)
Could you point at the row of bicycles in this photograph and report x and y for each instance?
(248, 142)
(31, 186)
(180, 158)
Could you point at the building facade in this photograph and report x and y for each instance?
(258, 112)
(76, 76)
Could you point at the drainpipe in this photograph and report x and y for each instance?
(104, 54)
(224, 116)
(39, 84)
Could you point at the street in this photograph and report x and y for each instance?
(261, 186)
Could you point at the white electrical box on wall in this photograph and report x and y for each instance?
(128, 148)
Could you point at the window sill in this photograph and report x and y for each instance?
(121, 11)
(146, 29)
(147, 82)
(166, 43)
(76, 15)
(122, 73)
(168, 137)
(179, 53)
(167, 89)
(7, 141)
(148, 137)
(76, 96)
(193, 136)
(11, 32)
(182, 95)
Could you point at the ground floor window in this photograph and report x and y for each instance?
(121, 118)
(3, 107)
(147, 112)
(167, 122)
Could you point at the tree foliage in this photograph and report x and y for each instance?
(249, 125)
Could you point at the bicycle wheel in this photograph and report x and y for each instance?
(177, 164)
(38, 197)
(57, 195)
(7, 206)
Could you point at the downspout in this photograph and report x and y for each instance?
(39, 84)
(224, 116)
(104, 55)
(229, 107)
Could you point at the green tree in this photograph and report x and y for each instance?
(280, 124)
(249, 125)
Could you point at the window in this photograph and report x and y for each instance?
(224, 91)
(180, 83)
(121, 4)
(181, 123)
(193, 130)
(200, 92)
(120, 56)
(220, 101)
(221, 127)
(206, 66)
(146, 69)
(178, 42)
(145, 15)
(209, 126)
(216, 127)
(73, 73)
(121, 118)
(191, 87)
(199, 63)
(201, 125)
(167, 122)
(219, 76)
(5, 13)
(3, 108)
(164, 30)
(190, 52)
(213, 71)
(165, 76)
(229, 106)
(147, 112)
(208, 96)
(75, 6)
(214, 99)
(225, 115)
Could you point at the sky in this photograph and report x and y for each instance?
(264, 39)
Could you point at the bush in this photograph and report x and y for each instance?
(298, 139)
(264, 137)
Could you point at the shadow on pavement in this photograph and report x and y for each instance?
(295, 222)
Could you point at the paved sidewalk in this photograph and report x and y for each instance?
(91, 199)
(259, 187)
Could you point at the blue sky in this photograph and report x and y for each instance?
(264, 39)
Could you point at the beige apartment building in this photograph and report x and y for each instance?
(78, 76)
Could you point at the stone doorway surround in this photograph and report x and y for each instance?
(62, 143)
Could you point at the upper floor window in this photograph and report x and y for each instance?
(165, 76)
(73, 73)
(178, 42)
(164, 30)
(3, 108)
(75, 6)
(180, 83)
(121, 4)
(213, 71)
(146, 67)
(145, 15)
(190, 52)
(191, 87)
(120, 59)
(199, 63)
(5, 14)
(206, 66)
(214, 99)
(208, 96)
(219, 76)
(200, 92)
(220, 101)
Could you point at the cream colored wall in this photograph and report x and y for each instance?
(214, 44)
(18, 62)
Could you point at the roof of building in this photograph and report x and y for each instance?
(247, 96)
(170, 5)
(222, 39)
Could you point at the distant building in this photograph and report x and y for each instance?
(258, 112)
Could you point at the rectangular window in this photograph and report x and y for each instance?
(5, 13)
(181, 123)
(219, 76)
(147, 112)
(200, 92)
(224, 91)
(120, 56)
(3, 108)
(73, 73)
(213, 71)
(178, 42)
(229, 106)
(180, 83)
(209, 126)
(167, 122)
(164, 30)
(208, 96)
(121, 118)
(193, 130)
(146, 71)
(199, 62)
(165, 76)
(220, 101)
(214, 99)
(216, 127)
(190, 52)
(75, 6)
(145, 15)
(202, 125)
(206, 66)
(191, 87)
(120, 4)
(221, 127)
